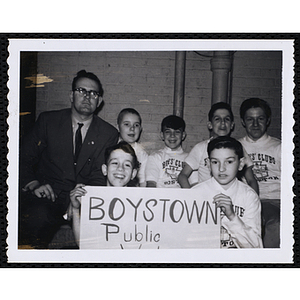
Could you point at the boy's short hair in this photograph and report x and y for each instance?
(92, 76)
(173, 122)
(128, 111)
(126, 148)
(226, 142)
(254, 103)
(220, 105)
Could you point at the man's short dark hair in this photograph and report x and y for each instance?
(126, 148)
(92, 76)
(220, 105)
(173, 122)
(128, 111)
(226, 142)
(254, 103)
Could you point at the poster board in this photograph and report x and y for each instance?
(139, 218)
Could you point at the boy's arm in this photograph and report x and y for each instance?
(248, 173)
(244, 228)
(75, 197)
(249, 176)
(76, 224)
(183, 177)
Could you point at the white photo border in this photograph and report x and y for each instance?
(265, 256)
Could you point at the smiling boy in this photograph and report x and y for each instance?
(164, 165)
(220, 123)
(265, 152)
(120, 169)
(239, 204)
(120, 166)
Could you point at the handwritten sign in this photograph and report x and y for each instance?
(147, 218)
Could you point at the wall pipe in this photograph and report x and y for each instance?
(179, 83)
(221, 65)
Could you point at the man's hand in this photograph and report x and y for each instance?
(45, 191)
(76, 194)
(31, 186)
(225, 204)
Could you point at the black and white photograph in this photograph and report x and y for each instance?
(150, 151)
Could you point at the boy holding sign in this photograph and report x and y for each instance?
(120, 168)
(240, 205)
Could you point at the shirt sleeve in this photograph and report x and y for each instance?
(194, 157)
(246, 231)
(152, 168)
(278, 155)
(33, 146)
(143, 158)
(248, 160)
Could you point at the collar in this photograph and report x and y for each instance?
(133, 145)
(86, 124)
(219, 187)
(262, 139)
(177, 151)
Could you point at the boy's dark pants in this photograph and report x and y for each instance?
(40, 219)
(271, 223)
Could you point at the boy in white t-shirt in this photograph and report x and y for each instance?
(265, 152)
(130, 128)
(239, 204)
(164, 165)
(220, 123)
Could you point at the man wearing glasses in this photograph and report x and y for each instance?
(66, 147)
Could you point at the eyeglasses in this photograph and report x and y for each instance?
(84, 92)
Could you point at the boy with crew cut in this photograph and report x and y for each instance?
(130, 128)
(239, 204)
(265, 152)
(164, 165)
(120, 169)
(220, 123)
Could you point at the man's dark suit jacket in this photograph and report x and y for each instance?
(47, 153)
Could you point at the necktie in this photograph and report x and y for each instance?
(78, 141)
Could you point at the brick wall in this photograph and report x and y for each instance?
(145, 81)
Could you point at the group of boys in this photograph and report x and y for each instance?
(258, 165)
(212, 166)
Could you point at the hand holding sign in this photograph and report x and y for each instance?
(76, 194)
(225, 204)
